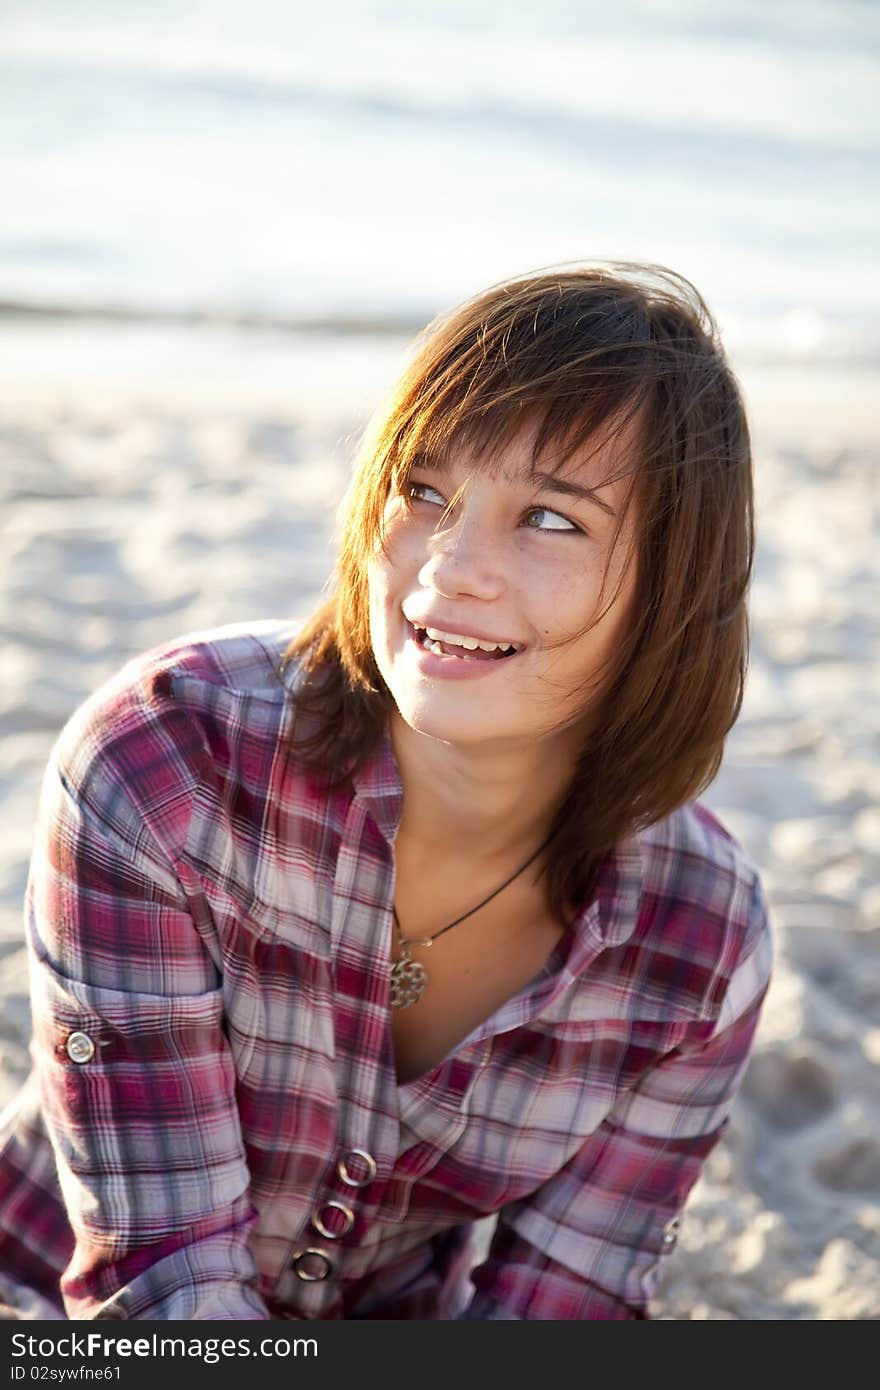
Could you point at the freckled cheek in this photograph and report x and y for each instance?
(401, 549)
(388, 586)
(379, 603)
(571, 602)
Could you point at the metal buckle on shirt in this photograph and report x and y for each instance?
(344, 1171)
(323, 1229)
(304, 1258)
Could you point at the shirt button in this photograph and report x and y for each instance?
(357, 1168)
(311, 1265)
(80, 1047)
(670, 1232)
(333, 1220)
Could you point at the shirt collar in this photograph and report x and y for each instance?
(614, 905)
(378, 788)
(611, 912)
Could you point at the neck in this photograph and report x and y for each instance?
(489, 805)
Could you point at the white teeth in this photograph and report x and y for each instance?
(469, 643)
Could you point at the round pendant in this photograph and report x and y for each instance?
(408, 980)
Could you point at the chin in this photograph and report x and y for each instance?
(430, 719)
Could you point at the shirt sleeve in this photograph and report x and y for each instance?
(134, 1068)
(589, 1243)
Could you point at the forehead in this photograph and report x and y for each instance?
(607, 458)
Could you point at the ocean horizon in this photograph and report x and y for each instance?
(264, 168)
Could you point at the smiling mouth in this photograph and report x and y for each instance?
(452, 649)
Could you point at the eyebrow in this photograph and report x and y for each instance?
(551, 481)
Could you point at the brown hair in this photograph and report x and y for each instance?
(582, 351)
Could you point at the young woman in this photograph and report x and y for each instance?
(346, 936)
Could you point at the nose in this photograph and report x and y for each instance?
(463, 560)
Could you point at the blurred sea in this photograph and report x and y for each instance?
(354, 167)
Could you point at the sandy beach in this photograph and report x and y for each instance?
(132, 513)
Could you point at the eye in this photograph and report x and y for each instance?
(556, 522)
(414, 491)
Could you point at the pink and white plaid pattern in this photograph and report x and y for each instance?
(218, 926)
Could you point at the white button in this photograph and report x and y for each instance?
(670, 1232)
(80, 1047)
(311, 1265)
(353, 1159)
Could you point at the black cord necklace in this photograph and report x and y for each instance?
(409, 977)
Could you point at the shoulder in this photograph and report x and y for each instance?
(694, 851)
(703, 904)
(141, 744)
(691, 857)
(241, 659)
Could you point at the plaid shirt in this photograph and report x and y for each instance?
(213, 1092)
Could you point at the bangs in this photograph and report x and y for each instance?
(561, 440)
(572, 355)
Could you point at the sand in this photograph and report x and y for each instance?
(131, 514)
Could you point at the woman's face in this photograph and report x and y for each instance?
(522, 559)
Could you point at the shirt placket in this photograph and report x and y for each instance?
(368, 1128)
